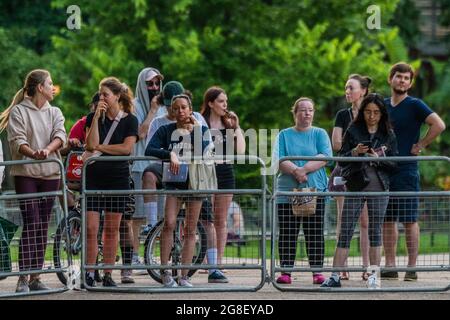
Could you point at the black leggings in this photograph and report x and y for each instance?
(312, 228)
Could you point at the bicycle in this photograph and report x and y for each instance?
(62, 245)
(152, 245)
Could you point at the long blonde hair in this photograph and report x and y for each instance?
(32, 80)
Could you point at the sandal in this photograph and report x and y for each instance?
(345, 275)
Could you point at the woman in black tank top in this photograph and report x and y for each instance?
(228, 140)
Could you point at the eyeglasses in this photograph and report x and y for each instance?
(152, 83)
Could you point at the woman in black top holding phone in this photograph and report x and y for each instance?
(370, 135)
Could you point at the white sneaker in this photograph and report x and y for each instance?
(373, 282)
(185, 282)
(125, 276)
(168, 281)
(136, 260)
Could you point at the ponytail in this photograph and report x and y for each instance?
(4, 116)
(32, 80)
(126, 99)
(121, 89)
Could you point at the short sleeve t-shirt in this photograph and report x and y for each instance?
(109, 171)
(77, 131)
(407, 117)
(312, 142)
(343, 119)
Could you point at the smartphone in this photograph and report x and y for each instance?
(367, 143)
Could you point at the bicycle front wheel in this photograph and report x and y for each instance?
(62, 245)
(152, 248)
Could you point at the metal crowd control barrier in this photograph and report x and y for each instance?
(433, 262)
(241, 256)
(11, 227)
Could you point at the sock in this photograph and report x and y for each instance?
(135, 255)
(151, 211)
(211, 258)
(91, 274)
(127, 254)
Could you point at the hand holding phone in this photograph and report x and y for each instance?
(367, 143)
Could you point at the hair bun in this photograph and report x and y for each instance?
(124, 88)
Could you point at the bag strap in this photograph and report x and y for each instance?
(113, 127)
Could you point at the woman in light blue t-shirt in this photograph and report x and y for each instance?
(301, 140)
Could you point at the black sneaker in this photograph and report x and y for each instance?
(410, 276)
(389, 275)
(97, 276)
(108, 281)
(331, 283)
(90, 281)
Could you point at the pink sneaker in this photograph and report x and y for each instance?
(318, 278)
(284, 279)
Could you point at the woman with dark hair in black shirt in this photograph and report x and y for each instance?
(356, 88)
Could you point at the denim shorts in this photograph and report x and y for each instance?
(404, 209)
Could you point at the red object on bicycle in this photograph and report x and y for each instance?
(74, 166)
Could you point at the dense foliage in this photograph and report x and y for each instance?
(264, 53)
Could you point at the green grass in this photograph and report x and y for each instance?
(438, 243)
(429, 244)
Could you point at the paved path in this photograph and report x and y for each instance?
(250, 278)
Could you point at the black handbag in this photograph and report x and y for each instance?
(355, 175)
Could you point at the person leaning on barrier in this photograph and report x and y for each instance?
(220, 120)
(356, 88)
(169, 142)
(407, 115)
(35, 131)
(115, 97)
(152, 175)
(370, 135)
(301, 140)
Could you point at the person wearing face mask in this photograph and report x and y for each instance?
(147, 107)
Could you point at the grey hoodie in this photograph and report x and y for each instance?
(142, 108)
(27, 124)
